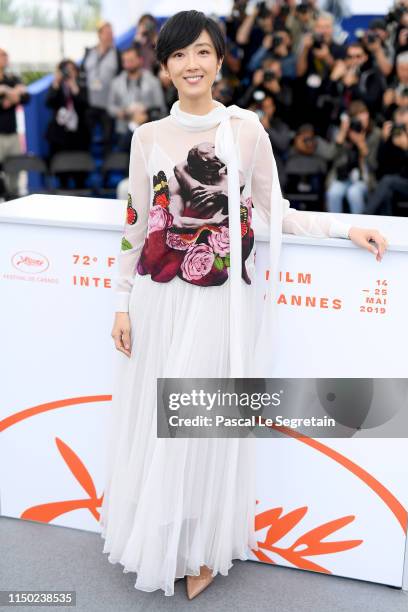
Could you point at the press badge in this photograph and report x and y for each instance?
(96, 85)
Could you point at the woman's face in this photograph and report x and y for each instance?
(268, 107)
(197, 60)
(72, 70)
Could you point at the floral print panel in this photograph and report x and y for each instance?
(187, 233)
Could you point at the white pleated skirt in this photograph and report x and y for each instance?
(171, 505)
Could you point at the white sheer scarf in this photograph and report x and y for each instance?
(226, 151)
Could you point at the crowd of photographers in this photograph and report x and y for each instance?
(336, 111)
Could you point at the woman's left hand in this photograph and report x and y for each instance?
(365, 238)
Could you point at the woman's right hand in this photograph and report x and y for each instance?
(121, 332)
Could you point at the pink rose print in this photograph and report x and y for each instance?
(175, 241)
(159, 219)
(219, 241)
(197, 262)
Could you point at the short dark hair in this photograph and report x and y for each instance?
(147, 16)
(269, 96)
(135, 47)
(65, 62)
(305, 128)
(357, 45)
(184, 28)
(356, 107)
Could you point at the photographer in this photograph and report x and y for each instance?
(306, 167)
(269, 79)
(133, 84)
(235, 19)
(145, 37)
(67, 128)
(222, 91)
(318, 51)
(376, 41)
(401, 44)
(397, 25)
(279, 133)
(316, 58)
(392, 165)
(277, 45)
(138, 115)
(257, 23)
(355, 161)
(231, 68)
(300, 21)
(354, 79)
(99, 66)
(12, 93)
(397, 94)
(263, 104)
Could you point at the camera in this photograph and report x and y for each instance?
(397, 129)
(371, 37)
(276, 41)
(270, 75)
(318, 40)
(356, 125)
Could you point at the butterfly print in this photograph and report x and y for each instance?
(131, 214)
(161, 189)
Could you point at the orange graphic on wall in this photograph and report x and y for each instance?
(279, 525)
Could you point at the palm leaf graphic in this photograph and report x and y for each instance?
(310, 543)
(280, 525)
(312, 540)
(77, 468)
(49, 511)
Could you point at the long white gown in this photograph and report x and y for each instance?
(172, 505)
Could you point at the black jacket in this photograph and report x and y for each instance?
(58, 137)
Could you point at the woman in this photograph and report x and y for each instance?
(186, 507)
(67, 129)
(355, 160)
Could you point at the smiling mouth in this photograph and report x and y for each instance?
(194, 79)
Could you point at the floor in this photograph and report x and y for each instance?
(34, 556)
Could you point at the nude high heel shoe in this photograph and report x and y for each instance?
(196, 584)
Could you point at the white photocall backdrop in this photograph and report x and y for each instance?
(337, 506)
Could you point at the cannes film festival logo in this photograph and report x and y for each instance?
(30, 261)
